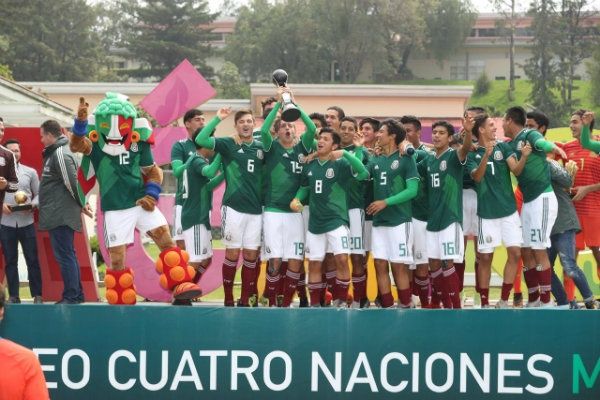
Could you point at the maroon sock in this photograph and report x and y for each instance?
(477, 288)
(254, 287)
(315, 293)
(248, 281)
(545, 280)
(460, 274)
(506, 288)
(359, 284)
(484, 294)
(422, 285)
(290, 283)
(404, 297)
(330, 279)
(301, 288)
(199, 271)
(387, 300)
(451, 280)
(441, 287)
(271, 286)
(228, 270)
(341, 289)
(532, 282)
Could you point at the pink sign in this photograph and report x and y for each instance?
(164, 138)
(182, 89)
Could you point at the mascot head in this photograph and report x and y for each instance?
(115, 128)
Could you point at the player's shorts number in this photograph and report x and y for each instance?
(344, 242)
(356, 242)
(435, 180)
(250, 165)
(318, 186)
(402, 251)
(299, 248)
(449, 248)
(536, 235)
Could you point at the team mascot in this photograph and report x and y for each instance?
(116, 153)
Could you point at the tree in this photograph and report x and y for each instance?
(162, 33)
(230, 85)
(50, 40)
(507, 28)
(593, 69)
(5, 71)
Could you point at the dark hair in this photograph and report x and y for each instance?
(580, 112)
(1, 119)
(539, 117)
(395, 128)
(239, 114)
(350, 119)
(341, 114)
(12, 141)
(445, 124)
(52, 127)
(371, 121)
(517, 115)
(319, 117)
(479, 121)
(476, 109)
(335, 137)
(411, 119)
(267, 101)
(191, 114)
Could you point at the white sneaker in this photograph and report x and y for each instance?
(502, 304)
(534, 304)
(339, 304)
(401, 307)
(550, 304)
(355, 304)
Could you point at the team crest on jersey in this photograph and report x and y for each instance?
(443, 165)
(259, 154)
(112, 237)
(498, 155)
(228, 237)
(301, 158)
(329, 174)
(395, 164)
(268, 250)
(134, 147)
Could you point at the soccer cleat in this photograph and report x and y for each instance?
(264, 302)
(486, 306)
(355, 304)
(182, 302)
(338, 303)
(573, 305)
(253, 301)
(534, 304)
(592, 305)
(365, 302)
(549, 304)
(518, 300)
(304, 302)
(229, 304)
(38, 300)
(502, 304)
(14, 300)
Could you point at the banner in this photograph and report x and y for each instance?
(162, 352)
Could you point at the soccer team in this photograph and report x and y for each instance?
(344, 189)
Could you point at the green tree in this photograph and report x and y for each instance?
(230, 85)
(593, 69)
(50, 40)
(5, 71)
(507, 28)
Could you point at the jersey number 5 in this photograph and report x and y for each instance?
(383, 180)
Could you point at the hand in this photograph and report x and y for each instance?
(468, 123)
(489, 148)
(526, 150)
(281, 90)
(310, 157)
(378, 150)
(87, 210)
(560, 152)
(296, 205)
(223, 112)
(336, 154)
(3, 183)
(147, 202)
(82, 110)
(376, 206)
(358, 140)
(580, 192)
(6, 209)
(587, 118)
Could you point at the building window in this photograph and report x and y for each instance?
(461, 71)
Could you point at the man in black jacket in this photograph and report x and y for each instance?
(60, 207)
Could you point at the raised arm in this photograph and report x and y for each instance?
(467, 141)
(216, 181)
(586, 140)
(210, 170)
(308, 137)
(356, 164)
(265, 130)
(204, 139)
(516, 167)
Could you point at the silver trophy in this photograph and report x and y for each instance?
(289, 111)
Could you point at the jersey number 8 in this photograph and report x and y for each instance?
(318, 186)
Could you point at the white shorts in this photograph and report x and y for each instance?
(393, 243)
(198, 243)
(367, 232)
(498, 231)
(240, 230)
(305, 216)
(420, 254)
(470, 219)
(357, 224)
(120, 225)
(336, 241)
(447, 244)
(177, 230)
(284, 235)
(538, 217)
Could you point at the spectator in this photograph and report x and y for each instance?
(60, 207)
(17, 227)
(22, 376)
(8, 172)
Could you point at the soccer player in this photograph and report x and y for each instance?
(242, 201)
(283, 228)
(444, 170)
(333, 117)
(368, 129)
(180, 152)
(198, 183)
(490, 166)
(318, 119)
(395, 183)
(325, 179)
(412, 126)
(539, 204)
(355, 191)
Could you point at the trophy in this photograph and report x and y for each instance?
(20, 199)
(290, 112)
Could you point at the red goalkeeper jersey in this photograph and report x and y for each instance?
(588, 163)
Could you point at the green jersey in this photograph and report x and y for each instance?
(535, 177)
(120, 177)
(197, 197)
(495, 197)
(243, 166)
(390, 174)
(420, 205)
(444, 189)
(283, 175)
(327, 182)
(356, 189)
(181, 151)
